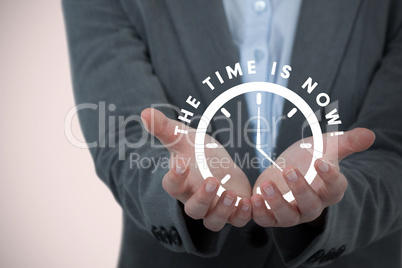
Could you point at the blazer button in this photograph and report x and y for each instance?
(340, 251)
(317, 256)
(329, 256)
(155, 231)
(175, 236)
(167, 237)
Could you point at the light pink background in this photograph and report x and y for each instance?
(54, 211)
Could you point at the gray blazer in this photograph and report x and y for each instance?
(135, 53)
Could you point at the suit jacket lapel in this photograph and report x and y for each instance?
(208, 47)
(206, 41)
(322, 36)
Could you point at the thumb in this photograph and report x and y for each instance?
(356, 140)
(156, 123)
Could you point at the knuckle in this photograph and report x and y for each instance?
(289, 222)
(345, 185)
(300, 189)
(244, 216)
(239, 224)
(202, 199)
(338, 198)
(213, 227)
(329, 178)
(172, 185)
(175, 179)
(167, 180)
(277, 205)
(192, 212)
(174, 191)
(263, 221)
(240, 220)
(222, 214)
(312, 210)
(332, 176)
(340, 191)
(315, 207)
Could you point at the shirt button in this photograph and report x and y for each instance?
(260, 6)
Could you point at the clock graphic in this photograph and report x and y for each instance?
(217, 106)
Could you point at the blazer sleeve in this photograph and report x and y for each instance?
(372, 205)
(113, 81)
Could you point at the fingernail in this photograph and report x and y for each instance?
(228, 201)
(180, 169)
(245, 207)
(269, 190)
(257, 203)
(210, 187)
(323, 166)
(291, 175)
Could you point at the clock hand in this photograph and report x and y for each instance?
(258, 142)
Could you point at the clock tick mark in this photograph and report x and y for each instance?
(292, 112)
(306, 145)
(259, 98)
(337, 133)
(225, 179)
(225, 112)
(212, 145)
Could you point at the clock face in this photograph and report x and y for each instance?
(218, 106)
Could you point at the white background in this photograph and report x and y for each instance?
(54, 211)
